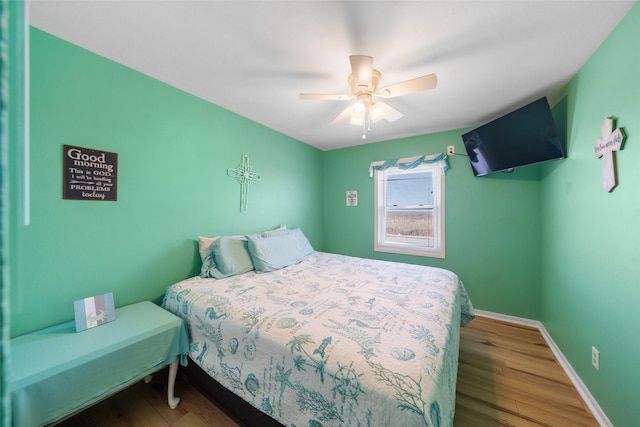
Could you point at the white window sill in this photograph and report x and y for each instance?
(410, 250)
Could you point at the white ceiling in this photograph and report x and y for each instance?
(255, 57)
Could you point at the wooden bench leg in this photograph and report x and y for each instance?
(172, 399)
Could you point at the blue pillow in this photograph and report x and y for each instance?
(301, 240)
(277, 250)
(231, 257)
(268, 233)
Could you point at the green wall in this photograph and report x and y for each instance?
(591, 244)
(492, 223)
(173, 154)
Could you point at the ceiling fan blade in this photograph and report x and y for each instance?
(410, 86)
(390, 113)
(325, 97)
(346, 114)
(361, 70)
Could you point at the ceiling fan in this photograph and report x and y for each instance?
(363, 81)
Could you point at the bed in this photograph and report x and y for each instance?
(326, 340)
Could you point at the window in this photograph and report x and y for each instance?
(409, 217)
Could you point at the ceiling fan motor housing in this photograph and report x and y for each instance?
(364, 84)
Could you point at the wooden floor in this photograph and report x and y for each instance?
(145, 405)
(507, 376)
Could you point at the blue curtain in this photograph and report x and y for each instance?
(412, 163)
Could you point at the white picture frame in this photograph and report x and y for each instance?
(94, 311)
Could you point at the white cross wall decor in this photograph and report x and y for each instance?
(245, 176)
(611, 141)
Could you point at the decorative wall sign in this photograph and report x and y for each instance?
(89, 174)
(352, 197)
(94, 311)
(245, 176)
(610, 142)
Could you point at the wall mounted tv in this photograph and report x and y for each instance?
(525, 136)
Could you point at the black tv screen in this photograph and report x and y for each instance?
(525, 136)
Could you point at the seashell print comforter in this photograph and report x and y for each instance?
(332, 341)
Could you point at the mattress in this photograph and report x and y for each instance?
(331, 341)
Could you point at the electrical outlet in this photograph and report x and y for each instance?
(595, 358)
(451, 149)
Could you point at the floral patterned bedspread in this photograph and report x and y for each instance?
(333, 340)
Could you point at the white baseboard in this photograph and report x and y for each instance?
(590, 401)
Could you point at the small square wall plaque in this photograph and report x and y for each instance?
(94, 311)
(352, 197)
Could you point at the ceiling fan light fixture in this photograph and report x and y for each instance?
(357, 117)
(376, 113)
(361, 111)
(358, 112)
(358, 108)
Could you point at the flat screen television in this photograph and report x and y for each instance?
(525, 136)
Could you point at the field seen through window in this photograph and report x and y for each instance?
(410, 227)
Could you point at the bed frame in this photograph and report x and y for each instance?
(241, 411)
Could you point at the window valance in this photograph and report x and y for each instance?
(411, 162)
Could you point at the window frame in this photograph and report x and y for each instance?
(438, 186)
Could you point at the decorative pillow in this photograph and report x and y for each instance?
(204, 245)
(208, 260)
(231, 257)
(270, 252)
(206, 255)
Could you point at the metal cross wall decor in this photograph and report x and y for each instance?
(611, 141)
(245, 176)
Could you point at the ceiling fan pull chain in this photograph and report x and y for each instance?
(365, 119)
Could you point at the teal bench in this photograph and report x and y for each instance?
(56, 372)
